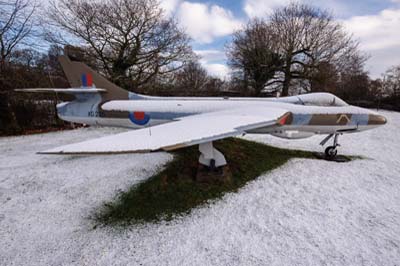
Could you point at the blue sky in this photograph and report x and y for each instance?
(375, 23)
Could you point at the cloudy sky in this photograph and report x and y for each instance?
(375, 23)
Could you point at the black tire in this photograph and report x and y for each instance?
(331, 152)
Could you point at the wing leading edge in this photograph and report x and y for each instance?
(188, 131)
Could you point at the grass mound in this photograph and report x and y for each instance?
(173, 191)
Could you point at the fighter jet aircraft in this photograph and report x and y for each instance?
(169, 123)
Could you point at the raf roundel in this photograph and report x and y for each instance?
(139, 118)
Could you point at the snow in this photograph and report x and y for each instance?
(307, 212)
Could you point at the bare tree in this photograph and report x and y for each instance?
(306, 37)
(391, 81)
(331, 75)
(192, 77)
(252, 56)
(131, 39)
(297, 46)
(16, 25)
(324, 77)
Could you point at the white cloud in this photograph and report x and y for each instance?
(376, 31)
(169, 6)
(379, 36)
(217, 70)
(213, 62)
(211, 55)
(204, 23)
(259, 8)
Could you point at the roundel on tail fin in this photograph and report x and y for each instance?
(139, 118)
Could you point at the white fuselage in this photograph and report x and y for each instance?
(306, 119)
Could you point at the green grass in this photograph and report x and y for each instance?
(173, 191)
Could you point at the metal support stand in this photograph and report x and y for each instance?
(212, 165)
(325, 140)
(335, 140)
(210, 156)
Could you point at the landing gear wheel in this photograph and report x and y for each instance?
(331, 152)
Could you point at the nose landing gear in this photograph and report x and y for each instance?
(331, 151)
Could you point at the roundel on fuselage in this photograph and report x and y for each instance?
(139, 118)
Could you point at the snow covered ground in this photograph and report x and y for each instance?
(308, 212)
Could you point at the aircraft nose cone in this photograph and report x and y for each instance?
(376, 119)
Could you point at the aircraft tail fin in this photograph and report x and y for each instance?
(80, 75)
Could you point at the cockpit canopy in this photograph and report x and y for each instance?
(315, 99)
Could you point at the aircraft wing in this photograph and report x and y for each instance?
(187, 131)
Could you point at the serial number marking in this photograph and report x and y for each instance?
(95, 114)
